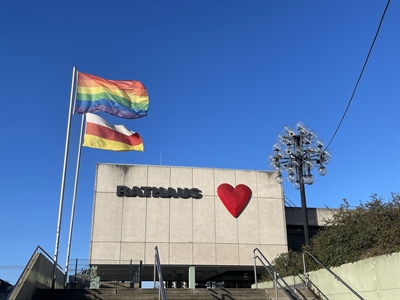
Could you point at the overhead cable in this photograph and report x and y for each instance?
(359, 77)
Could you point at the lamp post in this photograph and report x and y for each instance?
(297, 152)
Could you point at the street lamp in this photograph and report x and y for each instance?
(297, 152)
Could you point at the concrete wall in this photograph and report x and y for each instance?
(373, 278)
(186, 231)
(38, 273)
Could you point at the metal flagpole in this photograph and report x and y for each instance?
(71, 224)
(71, 98)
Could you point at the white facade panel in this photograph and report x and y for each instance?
(181, 221)
(107, 218)
(205, 178)
(157, 220)
(204, 220)
(133, 223)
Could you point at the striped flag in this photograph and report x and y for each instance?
(102, 135)
(126, 99)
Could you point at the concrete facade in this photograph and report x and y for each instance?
(188, 232)
(316, 216)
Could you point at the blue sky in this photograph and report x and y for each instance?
(223, 77)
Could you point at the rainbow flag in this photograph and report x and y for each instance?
(102, 135)
(126, 99)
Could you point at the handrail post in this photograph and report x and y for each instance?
(255, 271)
(161, 289)
(140, 274)
(276, 286)
(130, 273)
(305, 271)
(76, 268)
(155, 262)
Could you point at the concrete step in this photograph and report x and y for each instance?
(306, 294)
(150, 294)
(272, 294)
(302, 293)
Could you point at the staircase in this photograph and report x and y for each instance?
(150, 294)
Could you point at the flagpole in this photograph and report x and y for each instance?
(71, 98)
(71, 224)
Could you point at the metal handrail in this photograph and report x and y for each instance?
(307, 281)
(37, 250)
(331, 272)
(276, 277)
(157, 265)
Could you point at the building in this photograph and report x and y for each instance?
(200, 224)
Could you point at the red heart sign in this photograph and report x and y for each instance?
(236, 199)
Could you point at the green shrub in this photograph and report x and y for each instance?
(370, 229)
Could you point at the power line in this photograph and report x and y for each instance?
(362, 71)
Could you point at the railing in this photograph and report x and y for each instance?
(274, 274)
(307, 281)
(96, 273)
(38, 271)
(331, 272)
(157, 266)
